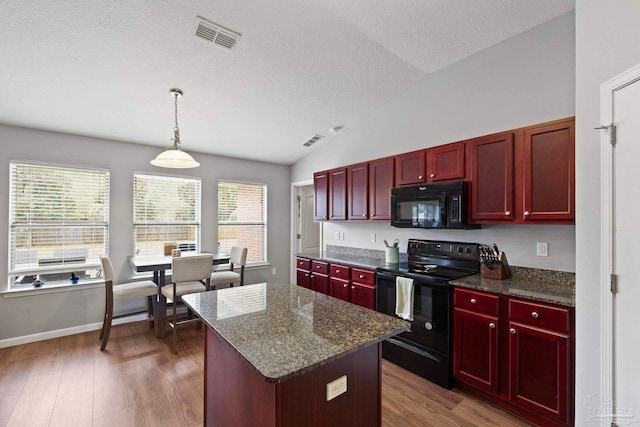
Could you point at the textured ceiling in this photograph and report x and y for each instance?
(105, 68)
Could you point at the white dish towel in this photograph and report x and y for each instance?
(404, 297)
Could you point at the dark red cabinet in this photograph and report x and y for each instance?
(338, 194)
(358, 191)
(339, 288)
(381, 181)
(492, 177)
(410, 168)
(363, 288)
(549, 172)
(321, 192)
(446, 162)
(320, 277)
(303, 272)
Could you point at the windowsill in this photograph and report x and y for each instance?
(53, 288)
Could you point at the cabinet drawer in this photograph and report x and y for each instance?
(304, 264)
(476, 301)
(366, 277)
(540, 315)
(339, 271)
(320, 267)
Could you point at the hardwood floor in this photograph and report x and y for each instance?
(137, 381)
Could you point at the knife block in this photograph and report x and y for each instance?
(500, 271)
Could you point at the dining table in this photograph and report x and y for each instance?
(159, 264)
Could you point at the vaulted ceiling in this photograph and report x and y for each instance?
(298, 68)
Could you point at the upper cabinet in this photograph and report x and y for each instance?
(358, 191)
(321, 200)
(446, 162)
(410, 168)
(549, 172)
(338, 194)
(381, 181)
(492, 177)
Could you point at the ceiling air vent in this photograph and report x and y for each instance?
(313, 140)
(220, 36)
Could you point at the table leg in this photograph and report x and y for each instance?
(162, 311)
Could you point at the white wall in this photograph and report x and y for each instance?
(607, 44)
(524, 80)
(40, 313)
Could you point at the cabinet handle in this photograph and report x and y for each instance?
(473, 301)
(337, 271)
(513, 331)
(507, 213)
(526, 213)
(362, 276)
(306, 275)
(492, 325)
(364, 215)
(420, 177)
(535, 315)
(353, 287)
(432, 175)
(345, 285)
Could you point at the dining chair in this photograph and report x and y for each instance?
(238, 256)
(144, 288)
(189, 275)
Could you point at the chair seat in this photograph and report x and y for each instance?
(221, 277)
(134, 290)
(182, 289)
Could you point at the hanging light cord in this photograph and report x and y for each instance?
(176, 131)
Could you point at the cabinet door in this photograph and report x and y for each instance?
(303, 278)
(446, 162)
(363, 295)
(338, 194)
(339, 288)
(492, 177)
(320, 283)
(410, 168)
(475, 349)
(380, 184)
(539, 361)
(549, 172)
(321, 191)
(358, 191)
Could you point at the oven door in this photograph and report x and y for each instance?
(431, 313)
(419, 210)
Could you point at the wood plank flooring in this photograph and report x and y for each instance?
(137, 381)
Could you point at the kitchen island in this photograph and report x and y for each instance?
(283, 355)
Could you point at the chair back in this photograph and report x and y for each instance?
(107, 268)
(238, 255)
(191, 268)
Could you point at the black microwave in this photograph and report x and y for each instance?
(441, 205)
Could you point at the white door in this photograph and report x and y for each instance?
(309, 230)
(621, 104)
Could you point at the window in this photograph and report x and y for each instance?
(166, 214)
(58, 222)
(242, 218)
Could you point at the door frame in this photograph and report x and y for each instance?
(295, 192)
(607, 192)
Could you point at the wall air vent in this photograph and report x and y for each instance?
(220, 36)
(313, 140)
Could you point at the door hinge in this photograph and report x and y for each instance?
(298, 236)
(612, 132)
(614, 283)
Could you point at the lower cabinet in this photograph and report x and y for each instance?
(320, 277)
(516, 353)
(303, 272)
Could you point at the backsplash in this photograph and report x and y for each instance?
(335, 252)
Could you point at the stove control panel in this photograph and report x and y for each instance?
(455, 250)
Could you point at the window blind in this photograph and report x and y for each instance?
(166, 213)
(242, 219)
(59, 222)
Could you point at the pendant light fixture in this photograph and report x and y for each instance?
(174, 157)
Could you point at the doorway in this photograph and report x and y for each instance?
(306, 233)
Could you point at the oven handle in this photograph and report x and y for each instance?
(416, 282)
(412, 348)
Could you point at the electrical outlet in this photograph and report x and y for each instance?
(336, 235)
(342, 235)
(372, 237)
(337, 387)
(273, 271)
(542, 249)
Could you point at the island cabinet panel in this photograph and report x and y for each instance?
(446, 162)
(237, 395)
(358, 191)
(321, 196)
(410, 168)
(338, 194)
(492, 180)
(381, 181)
(549, 172)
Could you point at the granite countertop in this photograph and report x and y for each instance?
(348, 259)
(550, 286)
(284, 330)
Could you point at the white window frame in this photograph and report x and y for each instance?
(197, 223)
(68, 262)
(262, 223)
